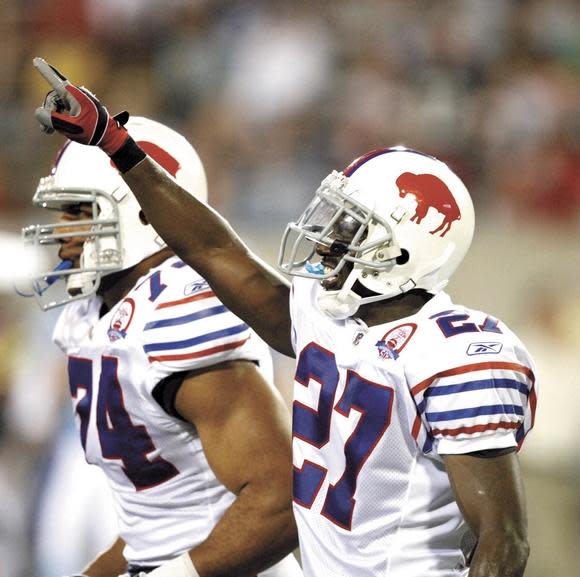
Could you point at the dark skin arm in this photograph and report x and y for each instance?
(489, 492)
(244, 427)
(205, 241)
(109, 563)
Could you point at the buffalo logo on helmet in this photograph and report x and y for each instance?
(430, 192)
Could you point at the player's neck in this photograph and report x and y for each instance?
(115, 287)
(393, 309)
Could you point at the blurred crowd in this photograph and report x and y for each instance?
(274, 94)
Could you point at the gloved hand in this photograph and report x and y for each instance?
(77, 114)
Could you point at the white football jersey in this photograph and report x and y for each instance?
(374, 408)
(167, 497)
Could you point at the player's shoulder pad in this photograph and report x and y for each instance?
(173, 280)
(188, 326)
(459, 337)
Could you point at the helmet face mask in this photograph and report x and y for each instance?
(411, 222)
(99, 226)
(339, 222)
(116, 237)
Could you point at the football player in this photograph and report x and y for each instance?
(409, 409)
(171, 391)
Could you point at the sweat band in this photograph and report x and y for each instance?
(128, 156)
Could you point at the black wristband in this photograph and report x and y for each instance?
(128, 156)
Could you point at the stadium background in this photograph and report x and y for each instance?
(274, 95)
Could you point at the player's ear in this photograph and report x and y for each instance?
(143, 218)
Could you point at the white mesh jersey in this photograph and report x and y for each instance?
(374, 408)
(166, 496)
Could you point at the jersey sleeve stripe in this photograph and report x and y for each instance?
(186, 318)
(476, 428)
(422, 436)
(196, 340)
(198, 354)
(477, 385)
(530, 419)
(421, 406)
(416, 427)
(521, 434)
(533, 401)
(193, 298)
(472, 368)
(474, 412)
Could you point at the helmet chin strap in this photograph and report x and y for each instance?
(82, 283)
(344, 303)
(340, 307)
(337, 308)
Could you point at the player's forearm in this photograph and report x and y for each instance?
(191, 228)
(109, 563)
(257, 531)
(205, 241)
(500, 555)
(490, 494)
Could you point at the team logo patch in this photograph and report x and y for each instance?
(121, 320)
(195, 287)
(395, 341)
(484, 349)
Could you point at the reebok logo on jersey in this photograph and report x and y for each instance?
(484, 349)
(195, 287)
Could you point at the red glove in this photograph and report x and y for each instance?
(78, 115)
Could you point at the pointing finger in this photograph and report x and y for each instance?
(52, 76)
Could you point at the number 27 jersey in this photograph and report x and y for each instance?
(374, 409)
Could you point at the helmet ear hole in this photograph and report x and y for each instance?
(403, 258)
(143, 218)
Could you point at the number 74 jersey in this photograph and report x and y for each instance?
(374, 410)
(167, 497)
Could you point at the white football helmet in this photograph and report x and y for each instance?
(409, 220)
(118, 237)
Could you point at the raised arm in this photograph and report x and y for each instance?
(490, 494)
(197, 233)
(206, 241)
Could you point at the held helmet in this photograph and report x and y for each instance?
(410, 221)
(118, 238)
